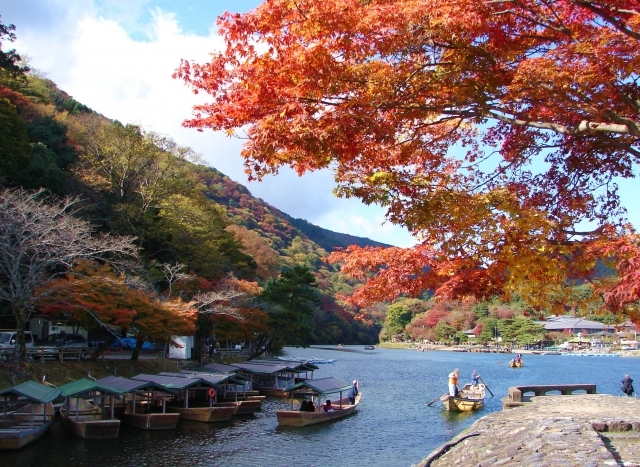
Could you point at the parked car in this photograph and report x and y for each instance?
(72, 345)
(70, 340)
(8, 343)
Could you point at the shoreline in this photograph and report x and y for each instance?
(573, 431)
(480, 349)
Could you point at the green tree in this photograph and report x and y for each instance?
(191, 230)
(445, 333)
(15, 148)
(398, 316)
(289, 299)
(481, 310)
(10, 61)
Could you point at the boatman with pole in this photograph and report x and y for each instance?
(453, 382)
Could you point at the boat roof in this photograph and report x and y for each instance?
(218, 368)
(232, 378)
(329, 385)
(212, 378)
(274, 366)
(300, 365)
(172, 382)
(85, 385)
(33, 391)
(132, 385)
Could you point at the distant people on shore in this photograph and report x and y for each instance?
(627, 385)
(453, 382)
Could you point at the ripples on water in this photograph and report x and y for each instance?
(394, 426)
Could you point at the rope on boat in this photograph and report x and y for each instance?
(445, 448)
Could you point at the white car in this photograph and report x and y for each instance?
(8, 343)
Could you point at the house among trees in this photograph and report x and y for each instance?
(575, 325)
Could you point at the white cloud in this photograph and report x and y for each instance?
(107, 57)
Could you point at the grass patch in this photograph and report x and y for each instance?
(58, 373)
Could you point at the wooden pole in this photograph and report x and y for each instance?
(485, 385)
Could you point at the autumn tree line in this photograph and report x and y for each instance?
(496, 132)
(118, 230)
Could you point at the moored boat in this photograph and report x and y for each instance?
(195, 395)
(317, 389)
(27, 415)
(147, 407)
(84, 417)
(469, 398)
(369, 347)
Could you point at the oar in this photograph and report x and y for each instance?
(485, 385)
(434, 400)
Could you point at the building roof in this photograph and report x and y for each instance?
(575, 324)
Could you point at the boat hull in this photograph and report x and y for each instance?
(204, 414)
(461, 404)
(513, 364)
(150, 421)
(299, 418)
(273, 392)
(19, 432)
(87, 421)
(243, 407)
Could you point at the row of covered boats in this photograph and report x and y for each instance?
(94, 409)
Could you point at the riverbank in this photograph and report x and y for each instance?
(477, 348)
(57, 373)
(578, 430)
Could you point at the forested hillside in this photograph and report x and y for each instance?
(197, 252)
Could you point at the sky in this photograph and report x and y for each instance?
(117, 57)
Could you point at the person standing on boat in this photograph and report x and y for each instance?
(627, 385)
(353, 392)
(475, 378)
(453, 382)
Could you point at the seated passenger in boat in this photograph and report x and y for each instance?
(307, 406)
(327, 406)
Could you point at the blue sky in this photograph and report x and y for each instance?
(117, 57)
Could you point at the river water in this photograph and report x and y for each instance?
(393, 427)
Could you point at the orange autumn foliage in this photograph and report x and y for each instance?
(491, 130)
(93, 291)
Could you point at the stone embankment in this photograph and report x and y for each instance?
(585, 430)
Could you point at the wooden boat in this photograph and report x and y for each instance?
(136, 416)
(33, 417)
(515, 364)
(204, 414)
(317, 389)
(85, 418)
(243, 407)
(146, 408)
(469, 398)
(196, 392)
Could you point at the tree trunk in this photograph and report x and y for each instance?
(20, 350)
(136, 351)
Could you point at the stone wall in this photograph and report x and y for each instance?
(585, 430)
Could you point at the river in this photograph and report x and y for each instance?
(393, 427)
